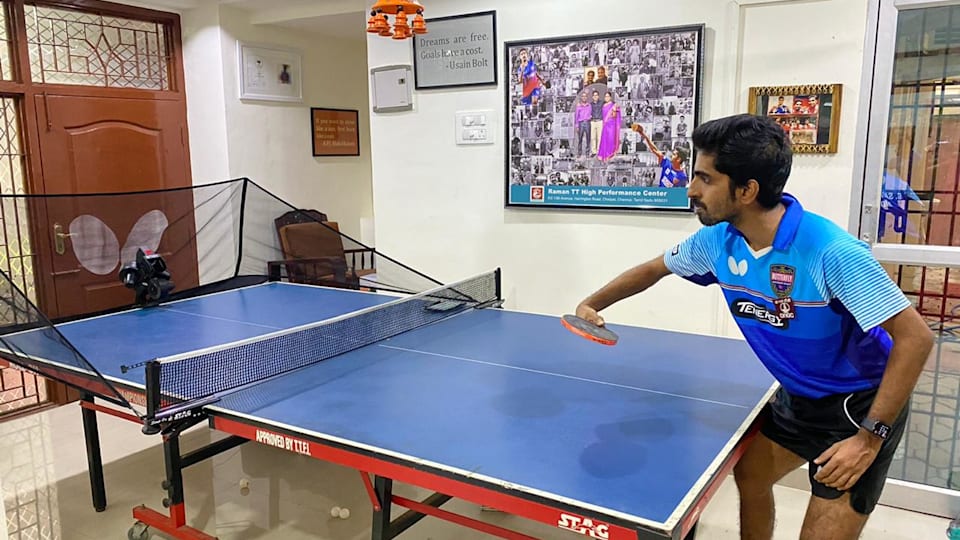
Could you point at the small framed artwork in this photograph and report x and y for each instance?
(335, 132)
(460, 50)
(810, 114)
(269, 73)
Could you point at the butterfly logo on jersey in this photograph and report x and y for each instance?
(96, 246)
(737, 268)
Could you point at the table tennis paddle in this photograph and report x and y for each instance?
(588, 330)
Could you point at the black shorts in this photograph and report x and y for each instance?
(807, 427)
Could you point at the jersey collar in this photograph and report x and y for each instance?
(789, 223)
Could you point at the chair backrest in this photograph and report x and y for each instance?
(298, 216)
(311, 240)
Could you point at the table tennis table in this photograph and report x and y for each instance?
(502, 408)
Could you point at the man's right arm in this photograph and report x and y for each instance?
(691, 259)
(627, 284)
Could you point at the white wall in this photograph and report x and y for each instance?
(439, 207)
(270, 143)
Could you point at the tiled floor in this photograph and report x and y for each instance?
(46, 492)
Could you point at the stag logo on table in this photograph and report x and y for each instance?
(584, 526)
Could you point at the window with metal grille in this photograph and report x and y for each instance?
(75, 47)
(18, 389)
(6, 47)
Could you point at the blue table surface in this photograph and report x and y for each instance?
(139, 335)
(517, 398)
(510, 396)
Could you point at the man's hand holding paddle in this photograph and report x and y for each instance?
(589, 314)
(627, 284)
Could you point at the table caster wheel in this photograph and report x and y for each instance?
(139, 531)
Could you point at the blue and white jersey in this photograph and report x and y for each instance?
(810, 306)
(670, 177)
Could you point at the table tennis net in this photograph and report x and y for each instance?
(209, 373)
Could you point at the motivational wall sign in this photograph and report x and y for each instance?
(456, 51)
(335, 132)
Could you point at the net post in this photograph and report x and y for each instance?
(496, 277)
(243, 209)
(152, 369)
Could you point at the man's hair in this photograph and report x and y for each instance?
(746, 147)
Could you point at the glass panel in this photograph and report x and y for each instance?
(6, 48)
(73, 47)
(930, 452)
(920, 178)
(18, 389)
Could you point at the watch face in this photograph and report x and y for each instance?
(877, 428)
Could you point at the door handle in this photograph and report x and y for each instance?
(58, 235)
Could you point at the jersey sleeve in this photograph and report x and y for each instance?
(693, 259)
(855, 278)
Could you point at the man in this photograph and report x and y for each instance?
(820, 313)
(582, 118)
(596, 123)
(528, 78)
(672, 173)
(780, 107)
(681, 126)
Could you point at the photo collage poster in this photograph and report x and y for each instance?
(603, 121)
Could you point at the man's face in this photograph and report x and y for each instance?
(596, 96)
(710, 193)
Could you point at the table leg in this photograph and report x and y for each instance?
(381, 519)
(94, 460)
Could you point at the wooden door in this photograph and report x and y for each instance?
(97, 145)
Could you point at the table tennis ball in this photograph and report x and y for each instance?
(244, 486)
(342, 513)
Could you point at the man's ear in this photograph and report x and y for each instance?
(748, 193)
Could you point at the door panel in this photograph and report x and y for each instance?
(110, 145)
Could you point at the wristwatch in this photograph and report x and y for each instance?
(876, 427)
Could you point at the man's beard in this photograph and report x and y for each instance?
(708, 219)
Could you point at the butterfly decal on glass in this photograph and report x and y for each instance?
(96, 246)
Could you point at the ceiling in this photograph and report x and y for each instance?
(342, 26)
(343, 19)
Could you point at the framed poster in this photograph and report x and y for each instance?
(460, 50)
(269, 73)
(810, 114)
(335, 132)
(603, 121)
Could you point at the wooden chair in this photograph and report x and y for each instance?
(313, 253)
(299, 216)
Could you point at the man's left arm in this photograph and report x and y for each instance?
(912, 342)
(854, 277)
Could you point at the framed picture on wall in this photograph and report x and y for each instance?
(460, 50)
(810, 114)
(269, 73)
(603, 121)
(335, 132)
